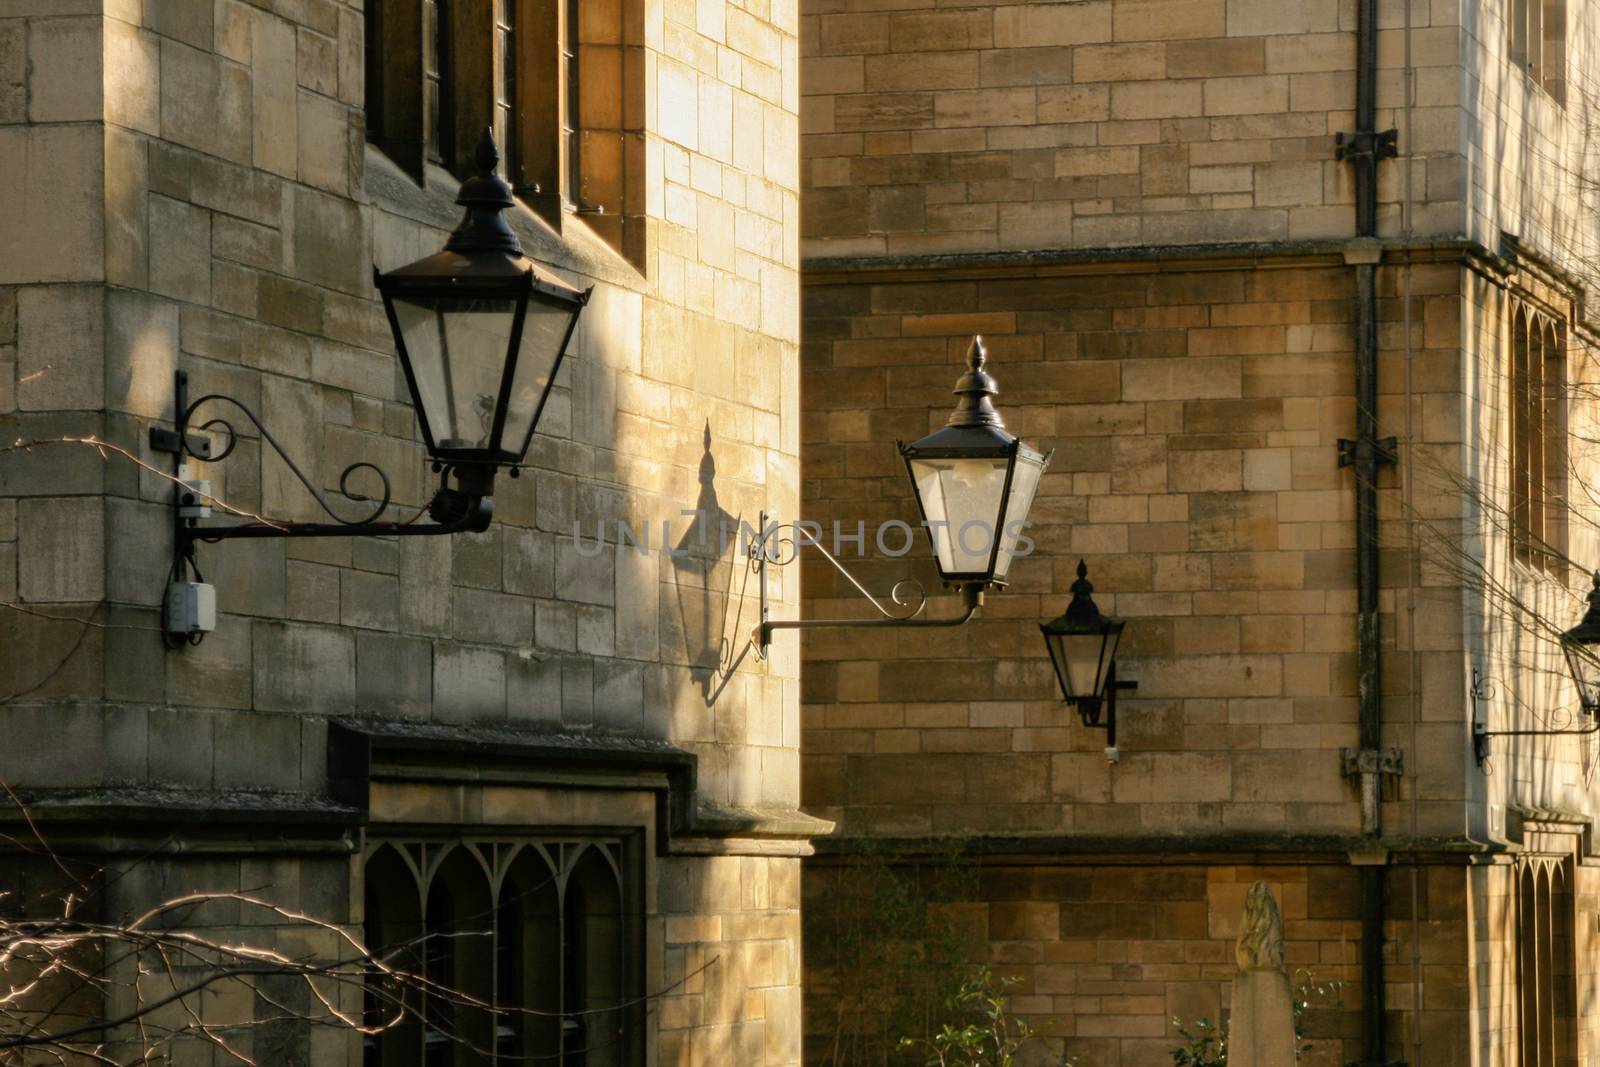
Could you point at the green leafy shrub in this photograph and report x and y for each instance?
(978, 1030)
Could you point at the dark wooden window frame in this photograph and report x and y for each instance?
(465, 912)
(1539, 448)
(564, 82)
(1536, 41)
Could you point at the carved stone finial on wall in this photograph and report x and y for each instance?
(1260, 945)
(1261, 1028)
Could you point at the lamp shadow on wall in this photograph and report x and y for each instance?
(702, 575)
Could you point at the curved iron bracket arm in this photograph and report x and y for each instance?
(467, 508)
(1482, 736)
(779, 545)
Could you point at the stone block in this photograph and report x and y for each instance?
(61, 549)
(1119, 62)
(60, 348)
(1246, 96)
(64, 61)
(179, 747)
(1154, 20)
(394, 675)
(127, 209)
(323, 130)
(533, 688)
(250, 576)
(57, 172)
(1025, 25)
(330, 245)
(492, 618)
(257, 752)
(180, 250)
(138, 534)
(1251, 18)
(369, 601)
(189, 21)
(304, 668)
(217, 673)
(204, 104)
(92, 744)
(312, 592)
(469, 683)
(141, 353)
(13, 71)
(1174, 98)
(425, 588)
(1181, 379)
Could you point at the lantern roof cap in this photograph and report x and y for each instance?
(483, 250)
(975, 427)
(1082, 615)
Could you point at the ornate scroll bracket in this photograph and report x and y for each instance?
(466, 507)
(1483, 737)
(779, 544)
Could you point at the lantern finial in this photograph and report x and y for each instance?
(485, 196)
(976, 391)
(1082, 605)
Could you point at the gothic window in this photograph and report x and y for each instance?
(1546, 964)
(1536, 33)
(1538, 440)
(547, 930)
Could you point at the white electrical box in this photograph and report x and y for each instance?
(191, 608)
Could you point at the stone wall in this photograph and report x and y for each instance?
(1195, 409)
(193, 191)
(978, 127)
(1110, 957)
(243, 235)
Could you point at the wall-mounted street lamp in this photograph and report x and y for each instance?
(1083, 650)
(480, 330)
(1581, 646)
(974, 483)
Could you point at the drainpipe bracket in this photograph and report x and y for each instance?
(1384, 450)
(1354, 763)
(1378, 144)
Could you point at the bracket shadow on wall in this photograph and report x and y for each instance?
(974, 483)
(480, 330)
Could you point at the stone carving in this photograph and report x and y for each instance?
(1261, 1026)
(1260, 945)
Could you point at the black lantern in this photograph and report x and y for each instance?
(1582, 646)
(481, 331)
(1083, 650)
(1083, 647)
(974, 483)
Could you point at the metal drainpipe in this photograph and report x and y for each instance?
(1363, 149)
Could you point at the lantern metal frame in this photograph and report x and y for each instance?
(1585, 635)
(974, 430)
(482, 258)
(1097, 709)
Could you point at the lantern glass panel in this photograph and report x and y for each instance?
(1585, 668)
(457, 347)
(1083, 661)
(544, 336)
(965, 496)
(1019, 502)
